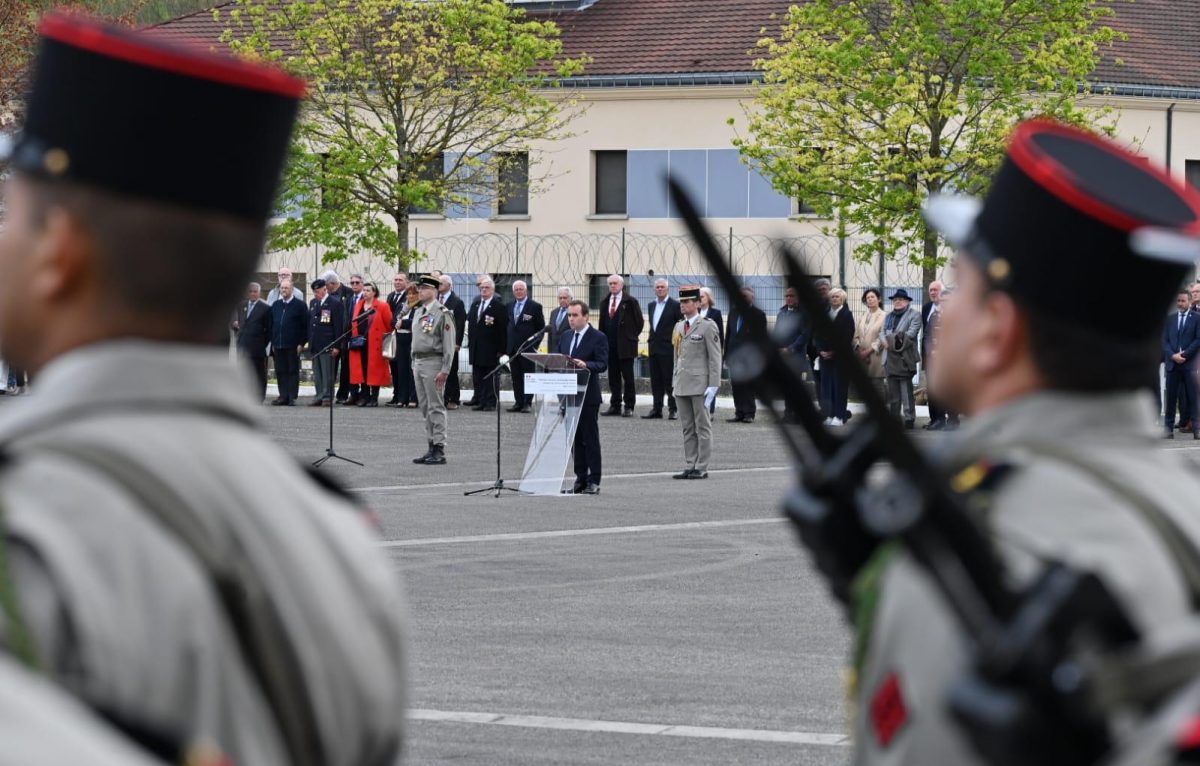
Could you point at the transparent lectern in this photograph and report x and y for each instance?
(558, 389)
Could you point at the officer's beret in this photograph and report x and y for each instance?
(428, 281)
(126, 112)
(1066, 203)
(317, 284)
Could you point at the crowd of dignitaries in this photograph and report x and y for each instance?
(1180, 344)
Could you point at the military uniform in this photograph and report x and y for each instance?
(697, 371)
(432, 354)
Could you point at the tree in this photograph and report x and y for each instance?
(869, 106)
(413, 105)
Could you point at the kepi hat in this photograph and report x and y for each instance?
(689, 293)
(429, 281)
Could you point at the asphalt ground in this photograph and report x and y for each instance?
(660, 622)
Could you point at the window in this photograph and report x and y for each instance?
(1191, 173)
(803, 208)
(433, 169)
(610, 183)
(513, 184)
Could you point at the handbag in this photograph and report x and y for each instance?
(389, 346)
(358, 341)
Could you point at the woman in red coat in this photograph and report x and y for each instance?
(368, 366)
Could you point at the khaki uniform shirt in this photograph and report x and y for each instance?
(697, 357)
(120, 610)
(433, 333)
(1042, 508)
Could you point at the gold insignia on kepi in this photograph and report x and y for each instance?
(999, 269)
(56, 162)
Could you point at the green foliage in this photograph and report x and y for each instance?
(869, 106)
(395, 86)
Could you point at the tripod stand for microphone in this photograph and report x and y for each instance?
(330, 454)
(494, 376)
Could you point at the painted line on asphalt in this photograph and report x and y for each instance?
(506, 536)
(445, 485)
(623, 727)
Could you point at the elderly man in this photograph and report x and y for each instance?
(252, 324)
(284, 275)
(621, 322)
(448, 298)
(664, 314)
(526, 318)
(289, 333)
(335, 288)
(697, 372)
(899, 336)
(325, 325)
(939, 417)
(487, 323)
(559, 322)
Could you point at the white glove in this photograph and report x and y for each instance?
(710, 395)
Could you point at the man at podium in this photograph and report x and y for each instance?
(588, 349)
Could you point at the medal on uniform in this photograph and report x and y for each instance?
(326, 316)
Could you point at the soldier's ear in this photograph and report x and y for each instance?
(63, 260)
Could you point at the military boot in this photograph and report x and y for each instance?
(438, 457)
(425, 458)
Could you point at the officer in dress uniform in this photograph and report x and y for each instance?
(1059, 456)
(433, 341)
(696, 379)
(156, 578)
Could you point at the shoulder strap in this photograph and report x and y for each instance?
(253, 615)
(1182, 550)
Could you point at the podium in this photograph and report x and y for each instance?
(558, 389)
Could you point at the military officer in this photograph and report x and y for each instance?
(432, 359)
(1059, 454)
(696, 379)
(156, 578)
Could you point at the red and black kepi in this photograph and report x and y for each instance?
(126, 112)
(1069, 208)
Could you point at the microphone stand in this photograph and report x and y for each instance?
(329, 452)
(494, 376)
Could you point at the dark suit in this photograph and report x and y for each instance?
(741, 327)
(835, 387)
(253, 335)
(556, 327)
(714, 314)
(346, 296)
(289, 331)
(326, 323)
(453, 393)
(662, 352)
(1184, 340)
(486, 341)
(398, 303)
(937, 413)
(622, 327)
(593, 349)
(521, 327)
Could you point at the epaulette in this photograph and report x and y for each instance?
(978, 482)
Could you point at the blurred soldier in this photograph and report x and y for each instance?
(697, 377)
(1058, 456)
(433, 343)
(153, 568)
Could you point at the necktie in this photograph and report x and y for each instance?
(517, 310)
(612, 307)
(562, 318)
(1179, 329)
(482, 308)
(442, 299)
(687, 327)
(574, 345)
(739, 325)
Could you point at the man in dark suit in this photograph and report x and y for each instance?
(487, 323)
(664, 313)
(335, 287)
(589, 350)
(621, 322)
(325, 325)
(252, 325)
(558, 325)
(1181, 340)
(448, 298)
(289, 333)
(526, 318)
(939, 417)
(744, 325)
(397, 301)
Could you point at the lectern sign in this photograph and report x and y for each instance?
(551, 383)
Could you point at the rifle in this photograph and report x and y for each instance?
(1039, 654)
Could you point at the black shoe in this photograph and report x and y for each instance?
(934, 425)
(578, 487)
(591, 489)
(699, 475)
(485, 408)
(514, 408)
(673, 416)
(1169, 435)
(653, 415)
(611, 411)
(426, 456)
(470, 403)
(393, 404)
(846, 419)
(341, 400)
(526, 408)
(687, 474)
(393, 401)
(438, 457)
(372, 403)
(627, 413)
(315, 403)
(736, 419)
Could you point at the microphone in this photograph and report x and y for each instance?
(504, 358)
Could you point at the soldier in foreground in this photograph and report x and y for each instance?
(155, 576)
(696, 380)
(433, 350)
